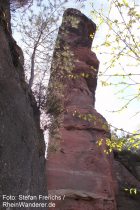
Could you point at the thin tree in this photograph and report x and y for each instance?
(38, 27)
(120, 47)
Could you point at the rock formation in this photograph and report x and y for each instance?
(78, 169)
(21, 139)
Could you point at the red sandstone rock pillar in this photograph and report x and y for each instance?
(77, 169)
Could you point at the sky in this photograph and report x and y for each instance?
(106, 98)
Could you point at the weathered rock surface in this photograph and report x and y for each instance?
(126, 166)
(21, 140)
(77, 168)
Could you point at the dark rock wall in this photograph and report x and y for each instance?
(77, 168)
(127, 169)
(21, 140)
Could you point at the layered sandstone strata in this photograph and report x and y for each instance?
(78, 168)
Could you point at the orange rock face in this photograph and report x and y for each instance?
(78, 169)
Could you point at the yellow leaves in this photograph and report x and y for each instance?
(4, 14)
(99, 142)
(84, 117)
(110, 150)
(91, 118)
(77, 76)
(92, 35)
(80, 116)
(131, 140)
(115, 143)
(132, 12)
(87, 75)
(131, 190)
(92, 68)
(74, 21)
(82, 74)
(108, 143)
(125, 3)
(123, 143)
(104, 127)
(106, 152)
(104, 83)
(70, 75)
(119, 4)
(111, 145)
(136, 146)
(107, 44)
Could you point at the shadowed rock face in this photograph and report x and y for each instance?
(21, 140)
(77, 168)
(126, 166)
